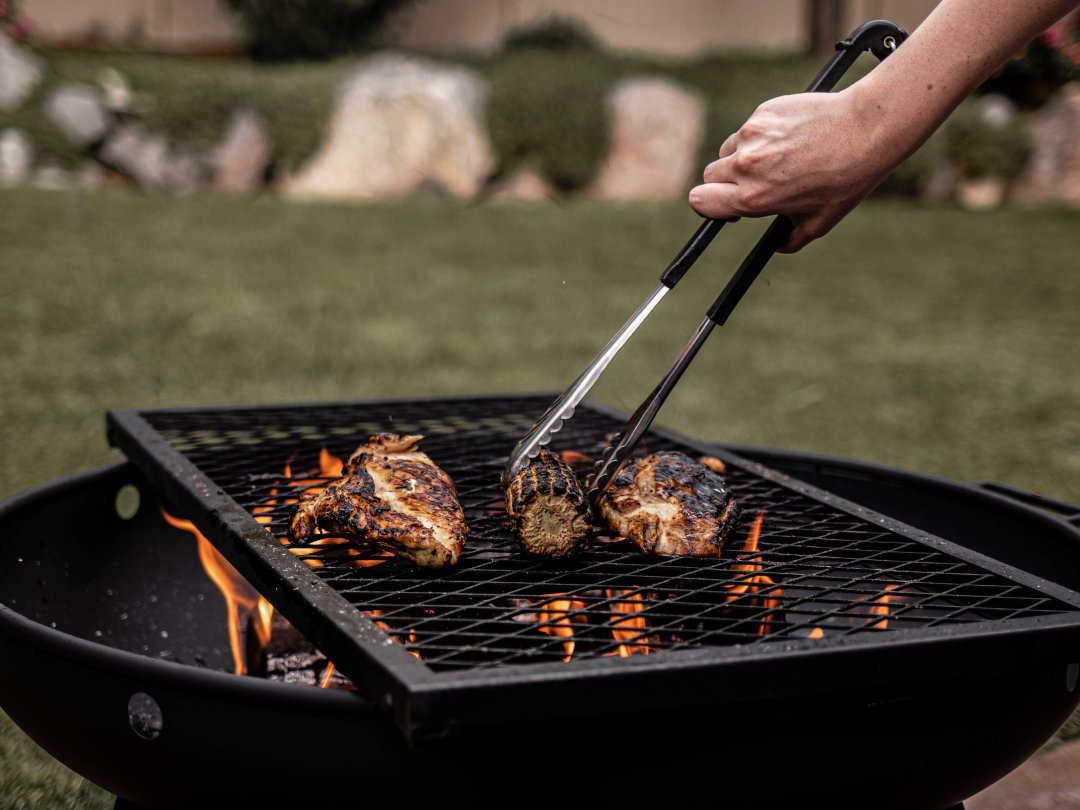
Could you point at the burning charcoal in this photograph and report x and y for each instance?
(287, 656)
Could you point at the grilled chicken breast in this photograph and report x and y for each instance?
(669, 504)
(547, 507)
(393, 496)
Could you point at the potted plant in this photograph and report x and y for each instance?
(989, 143)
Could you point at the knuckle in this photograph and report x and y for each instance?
(755, 198)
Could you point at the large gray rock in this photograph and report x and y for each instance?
(241, 157)
(656, 132)
(20, 72)
(77, 110)
(1053, 175)
(16, 157)
(147, 159)
(401, 126)
(56, 178)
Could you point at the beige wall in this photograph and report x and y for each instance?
(667, 27)
(170, 25)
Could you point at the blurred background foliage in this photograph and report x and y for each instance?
(310, 29)
(547, 91)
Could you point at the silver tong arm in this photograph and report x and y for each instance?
(563, 407)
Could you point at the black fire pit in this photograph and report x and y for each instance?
(115, 659)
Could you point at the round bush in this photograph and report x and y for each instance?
(310, 29)
(985, 140)
(553, 34)
(551, 111)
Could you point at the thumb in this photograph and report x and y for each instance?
(715, 200)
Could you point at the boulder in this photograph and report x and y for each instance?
(16, 157)
(77, 110)
(656, 131)
(1053, 175)
(242, 155)
(147, 160)
(525, 183)
(20, 72)
(56, 178)
(401, 125)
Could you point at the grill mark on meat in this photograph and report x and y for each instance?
(670, 505)
(390, 495)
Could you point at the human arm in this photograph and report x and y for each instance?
(814, 156)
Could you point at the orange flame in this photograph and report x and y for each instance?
(330, 465)
(756, 583)
(817, 632)
(880, 607)
(238, 594)
(631, 626)
(327, 676)
(555, 620)
(240, 597)
(374, 616)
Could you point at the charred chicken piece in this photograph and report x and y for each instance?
(390, 495)
(547, 507)
(669, 504)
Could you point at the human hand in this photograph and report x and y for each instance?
(811, 157)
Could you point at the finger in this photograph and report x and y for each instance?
(730, 144)
(719, 171)
(715, 200)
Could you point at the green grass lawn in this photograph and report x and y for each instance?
(920, 337)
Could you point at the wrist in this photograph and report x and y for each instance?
(887, 128)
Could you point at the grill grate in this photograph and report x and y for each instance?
(825, 574)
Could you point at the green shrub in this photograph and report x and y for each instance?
(310, 29)
(551, 110)
(552, 34)
(1033, 76)
(191, 101)
(983, 139)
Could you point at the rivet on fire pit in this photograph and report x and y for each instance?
(1071, 673)
(127, 501)
(144, 715)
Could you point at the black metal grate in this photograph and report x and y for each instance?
(824, 572)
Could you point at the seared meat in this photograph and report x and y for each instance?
(547, 507)
(669, 504)
(392, 496)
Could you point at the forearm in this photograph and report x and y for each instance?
(959, 45)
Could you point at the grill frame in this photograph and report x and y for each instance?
(429, 704)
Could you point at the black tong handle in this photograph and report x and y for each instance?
(690, 252)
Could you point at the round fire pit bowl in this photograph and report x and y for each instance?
(114, 658)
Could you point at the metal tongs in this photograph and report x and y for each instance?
(880, 37)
